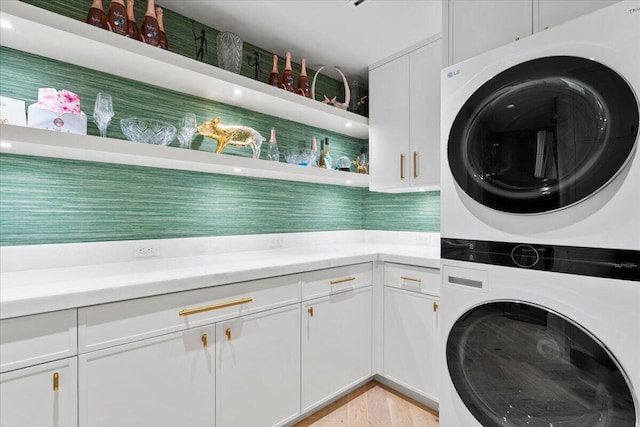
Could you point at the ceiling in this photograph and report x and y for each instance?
(325, 32)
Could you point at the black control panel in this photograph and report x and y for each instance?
(599, 262)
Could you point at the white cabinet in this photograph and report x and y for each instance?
(258, 369)
(41, 395)
(404, 119)
(161, 381)
(411, 340)
(336, 344)
(472, 27)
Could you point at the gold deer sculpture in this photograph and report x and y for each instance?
(238, 136)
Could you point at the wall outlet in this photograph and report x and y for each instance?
(276, 242)
(144, 251)
(423, 239)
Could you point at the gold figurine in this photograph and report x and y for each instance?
(238, 136)
(361, 168)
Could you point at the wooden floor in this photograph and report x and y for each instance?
(373, 405)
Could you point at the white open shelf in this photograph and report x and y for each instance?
(48, 34)
(44, 143)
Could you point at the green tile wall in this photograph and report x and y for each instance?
(63, 201)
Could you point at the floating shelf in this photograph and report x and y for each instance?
(45, 143)
(51, 35)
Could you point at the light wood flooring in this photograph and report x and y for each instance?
(373, 405)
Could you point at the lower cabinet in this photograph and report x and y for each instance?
(161, 381)
(258, 369)
(411, 340)
(336, 344)
(41, 395)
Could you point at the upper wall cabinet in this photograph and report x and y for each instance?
(472, 27)
(404, 111)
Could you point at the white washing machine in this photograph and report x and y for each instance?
(540, 226)
(538, 349)
(541, 137)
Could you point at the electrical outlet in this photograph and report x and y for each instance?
(276, 242)
(144, 251)
(423, 239)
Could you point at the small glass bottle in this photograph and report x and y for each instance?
(273, 153)
(162, 40)
(287, 74)
(96, 15)
(132, 29)
(274, 77)
(150, 32)
(327, 155)
(117, 17)
(303, 81)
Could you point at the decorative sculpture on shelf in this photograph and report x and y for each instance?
(200, 51)
(361, 167)
(332, 101)
(236, 135)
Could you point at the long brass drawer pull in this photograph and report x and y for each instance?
(191, 311)
(346, 279)
(401, 167)
(56, 381)
(411, 279)
(415, 164)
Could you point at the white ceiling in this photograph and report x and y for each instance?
(327, 32)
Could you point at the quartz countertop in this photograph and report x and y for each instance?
(41, 290)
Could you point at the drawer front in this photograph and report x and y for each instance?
(332, 280)
(412, 278)
(31, 340)
(117, 323)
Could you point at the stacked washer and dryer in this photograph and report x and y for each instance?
(540, 226)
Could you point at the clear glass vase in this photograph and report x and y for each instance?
(229, 51)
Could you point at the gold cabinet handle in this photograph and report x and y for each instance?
(228, 334)
(214, 307)
(310, 311)
(346, 279)
(546, 28)
(415, 164)
(411, 279)
(517, 38)
(401, 167)
(56, 381)
(435, 306)
(205, 340)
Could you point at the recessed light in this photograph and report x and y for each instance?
(237, 92)
(237, 170)
(6, 24)
(421, 189)
(5, 145)
(349, 124)
(349, 182)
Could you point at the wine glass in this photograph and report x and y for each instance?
(187, 129)
(103, 112)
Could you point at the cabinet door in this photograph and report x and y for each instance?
(41, 395)
(555, 12)
(161, 381)
(258, 369)
(389, 131)
(478, 26)
(411, 341)
(336, 345)
(425, 64)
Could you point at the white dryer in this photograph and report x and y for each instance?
(540, 137)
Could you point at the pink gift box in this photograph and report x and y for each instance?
(58, 111)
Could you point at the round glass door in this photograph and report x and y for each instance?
(516, 364)
(543, 135)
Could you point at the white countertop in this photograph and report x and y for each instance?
(48, 289)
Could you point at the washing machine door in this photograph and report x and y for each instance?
(517, 364)
(543, 135)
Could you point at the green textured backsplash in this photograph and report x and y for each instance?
(45, 200)
(179, 30)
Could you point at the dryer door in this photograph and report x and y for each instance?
(517, 364)
(543, 135)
